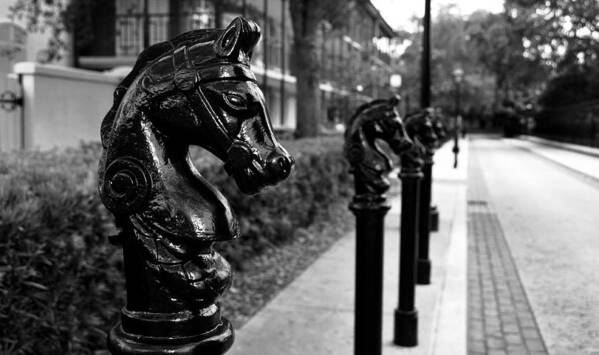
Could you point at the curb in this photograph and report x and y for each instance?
(582, 175)
(577, 148)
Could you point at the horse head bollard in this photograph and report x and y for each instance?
(438, 126)
(405, 330)
(196, 89)
(420, 127)
(441, 133)
(369, 164)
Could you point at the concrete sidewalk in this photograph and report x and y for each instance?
(579, 159)
(534, 236)
(314, 314)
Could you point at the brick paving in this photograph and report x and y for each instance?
(500, 319)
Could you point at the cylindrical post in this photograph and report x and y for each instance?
(425, 86)
(441, 133)
(434, 218)
(458, 73)
(406, 315)
(370, 218)
(424, 263)
(370, 166)
(420, 128)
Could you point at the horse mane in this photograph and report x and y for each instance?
(146, 58)
(371, 106)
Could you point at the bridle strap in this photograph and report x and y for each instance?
(199, 104)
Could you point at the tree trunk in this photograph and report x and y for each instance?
(307, 86)
(305, 17)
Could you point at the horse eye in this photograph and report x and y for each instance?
(235, 101)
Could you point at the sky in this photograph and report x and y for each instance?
(398, 12)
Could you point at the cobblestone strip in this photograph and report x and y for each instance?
(500, 319)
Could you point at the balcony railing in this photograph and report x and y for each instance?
(131, 29)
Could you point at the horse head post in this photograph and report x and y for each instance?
(441, 133)
(194, 90)
(372, 123)
(421, 128)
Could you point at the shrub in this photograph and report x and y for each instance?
(61, 284)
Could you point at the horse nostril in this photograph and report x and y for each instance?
(279, 166)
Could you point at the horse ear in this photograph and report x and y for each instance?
(395, 100)
(240, 35)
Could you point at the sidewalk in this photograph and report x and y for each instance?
(314, 314)
(579, 159)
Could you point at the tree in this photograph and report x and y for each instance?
(496, 40)
(307, 17)
(450, 50)
(561, 32)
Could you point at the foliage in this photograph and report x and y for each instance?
(488, 47)
(450, 50)
(561, 32)
(60, 280)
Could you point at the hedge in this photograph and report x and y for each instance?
(61, 284)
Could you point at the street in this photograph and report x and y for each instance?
(539, 219)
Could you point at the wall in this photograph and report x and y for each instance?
(63, 106)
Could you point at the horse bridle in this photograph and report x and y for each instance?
(237, 149)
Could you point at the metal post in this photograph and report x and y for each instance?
(173, 275)
(456, 135)
(424, 263)
(406, 315)
(425, 88)
(425, 196)
(370, 217)
(374, 120)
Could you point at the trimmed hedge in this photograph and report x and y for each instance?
(61, 284)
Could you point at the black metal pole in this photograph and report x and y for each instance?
(425, 195)
(406, 315)
(370, 217)
(425, 87)
(424, 263)
(456, 135)
(375, 120)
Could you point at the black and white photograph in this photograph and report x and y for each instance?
(292, 177)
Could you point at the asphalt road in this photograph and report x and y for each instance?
(550, 219)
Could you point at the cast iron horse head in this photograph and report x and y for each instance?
(376, 120)
(196, 89)
(420, 126)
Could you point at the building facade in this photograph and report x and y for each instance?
(355, 61)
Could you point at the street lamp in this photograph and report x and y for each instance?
(395, 81)
(458, 76)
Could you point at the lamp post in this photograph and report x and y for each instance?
(458, 76)
(395, 81)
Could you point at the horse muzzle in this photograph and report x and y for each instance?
(251, 172)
